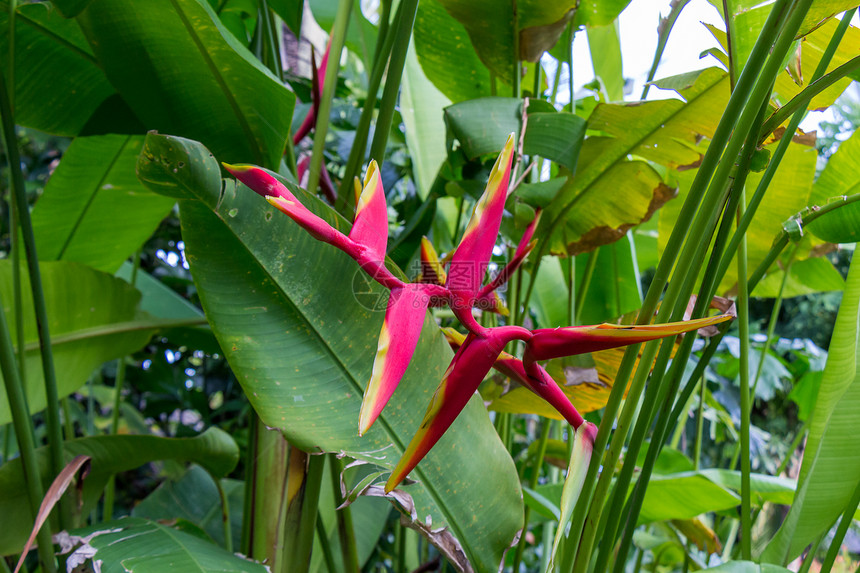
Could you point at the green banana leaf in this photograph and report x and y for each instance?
(831, 463)
(612, 192)
(194, 497)
(839, 178)
(296, 321)
(92, 319)
(136, 544)
(181, 71)
(51, 47)
(94, 210)
(214, 450)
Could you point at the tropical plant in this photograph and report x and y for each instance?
(157, 312)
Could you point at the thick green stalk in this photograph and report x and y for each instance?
(304, 481)
(325, 546)
(345, 197)
(345, 529)
(844, 522)
(24, 433)
(533, 482)
(52, 401)
(740, 111)
(744, 333)
(382, 31)
(675, 298)
(14, 235)
(663, 31)
(657, 392)
(336, 42)
(392, 82)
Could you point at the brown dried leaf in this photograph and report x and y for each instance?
(52, 496)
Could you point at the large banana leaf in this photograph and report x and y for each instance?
(294, 318)
(91, 317)
(136, 544)
(839, 178)
(831, 461)
(447, 56)
(214, 450)
(181, 71)
(50, 47)
(94, 210)
(612, 192)
(194, 497)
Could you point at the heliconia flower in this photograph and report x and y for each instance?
(432, 271)
(317, 83)
(401, 330)
(371, 215)
(524, 247)
(541, 383)
(469, 261)
(276, 193)
(471, 363)
(550, 343)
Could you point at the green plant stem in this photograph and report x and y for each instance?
(801, 431)
(517, 65)
(663, 31)
(345, 529)
(587, 274)
(392, 82)
(325, 546)
(700, 424)
(675, 442)
(345, 197)
(746, 406)
(14, 234)
(119, 382)
(780, 150)
(533, 482)
(571, 291)
(68, 424)
(810, 555)
(17, 399)
(52, 410)
(774, 316)
(225, 514)
(803, 218)
(382, 32)
(802, 99)
(571, 32)
(338, 37)
(844, 522)
(675, 298)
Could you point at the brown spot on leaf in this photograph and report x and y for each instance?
(604, 235)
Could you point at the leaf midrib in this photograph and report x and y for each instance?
(222, 83)
(73, 232)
